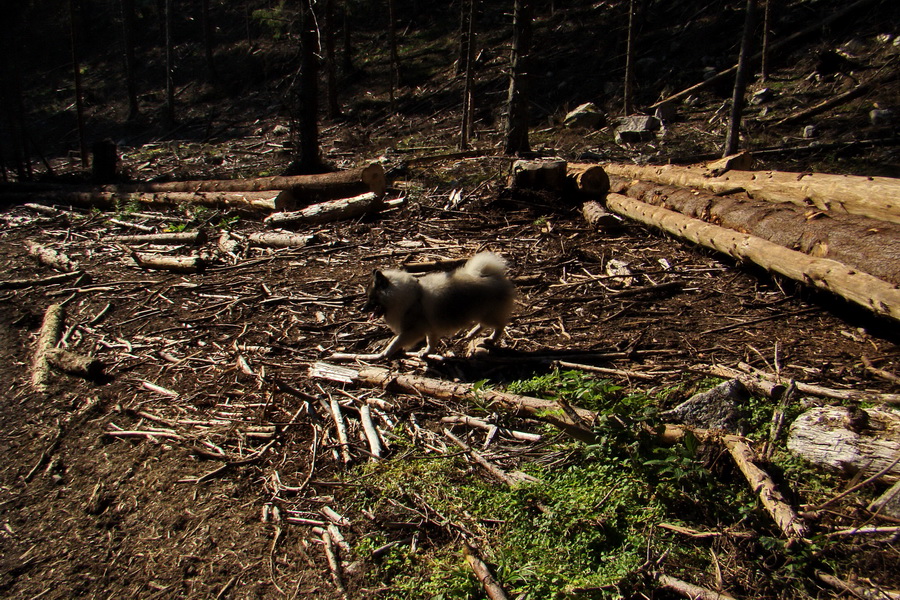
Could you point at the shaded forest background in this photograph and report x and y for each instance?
(236, 71)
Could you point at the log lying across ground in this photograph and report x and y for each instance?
(851, 440)
(861, 288)
(261, 193)
(873, 197)
(866, 244)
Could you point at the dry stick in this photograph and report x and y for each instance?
(784, 515)
(864, 531)
(473, 422)
(334, 563)
(324, 212)
(690, 590)
(341, 427)
(825, 392)
(198, 237)
(483, 572)
(365, 415)
(879, 372)
(51, 329)
(754, 384)
(547, 410)
(860, 591)
(487, 465)
(176, 264)
(17, 284)
(859, 485)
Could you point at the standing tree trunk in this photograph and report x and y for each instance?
(208, 44)
(518, 117)
(308, 100)
(347, 42)
(732, 140)
(767, 14)
(462, 57)
(11, 103)
(468, 93)
(169, 115)
(394, 76)
(127, 8)
(334, 108)
(76, 72)
(629, 62)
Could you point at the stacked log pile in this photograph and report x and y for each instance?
(834, 232)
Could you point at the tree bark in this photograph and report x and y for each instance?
(468, 92)
(128, 18)
(873, 197)
(866, 244)
(861, 288)
(849, 440)
(629, 62)
(51, 329)
(733, 139)
(588, 179)
(331, 91)
(79, 94)
(518, 111)
(168, 25)
(308, 160)
(326, 212)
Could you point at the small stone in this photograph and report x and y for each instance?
(761, 96)
(881, 116)
(809, 131)
(587, 115)
(722, 408)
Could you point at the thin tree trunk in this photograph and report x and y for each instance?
(767, 15)
(468, 94)
(127, 7)
(170, 65)
(76, 72)
(629, 62)
(208, 43)
(732, 140)
(462, 57)
(331, 92)
(347, 43)
(518, 110)
(308, 120)
(394, 61)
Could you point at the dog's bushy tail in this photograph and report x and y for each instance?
(486, 264)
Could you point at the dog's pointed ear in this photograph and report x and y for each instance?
(379, 279)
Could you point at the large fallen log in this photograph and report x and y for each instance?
(861, 288)
(257, 193)
(246, 202)
(866, 244)
(332, 210)
(850, 440)
(873, 197)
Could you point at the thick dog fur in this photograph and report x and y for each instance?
(441, 304)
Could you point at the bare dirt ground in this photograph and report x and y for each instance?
(185, 509)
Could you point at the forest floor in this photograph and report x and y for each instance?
(233, 454)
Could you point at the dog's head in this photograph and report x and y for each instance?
(375, 293)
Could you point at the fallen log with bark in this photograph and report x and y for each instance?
(873, 197)
(866, 244)
(861, 288)
(332, 210)
(850, 439)
(251, 195)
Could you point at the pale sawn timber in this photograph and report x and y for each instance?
(850, 441)
(331, 210)
(873, 197)
(860, 288)
(860, 242)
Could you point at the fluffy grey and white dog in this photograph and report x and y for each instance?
(441, 304)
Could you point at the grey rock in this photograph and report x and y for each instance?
(761, 96)
(587, 115)
(722, 408)
(809, 131)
